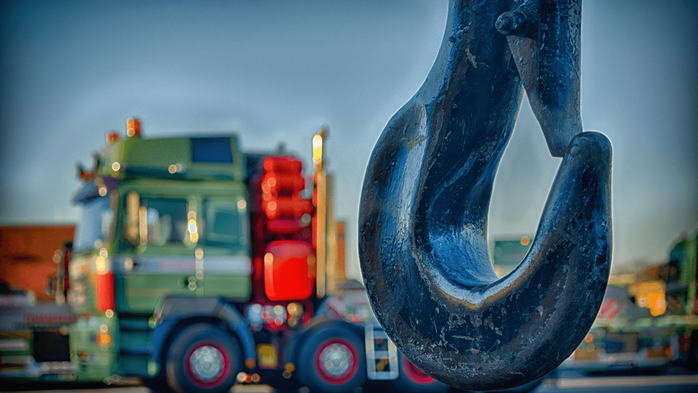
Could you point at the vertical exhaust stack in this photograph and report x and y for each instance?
(328, 234)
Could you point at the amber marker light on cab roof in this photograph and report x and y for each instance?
(112, 136)
(133, 127)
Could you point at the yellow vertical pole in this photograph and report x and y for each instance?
(321, 213)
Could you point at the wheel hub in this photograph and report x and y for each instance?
(335, 360)
(206, 363)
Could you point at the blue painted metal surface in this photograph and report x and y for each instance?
(426, 193)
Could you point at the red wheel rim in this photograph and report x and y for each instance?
(414, 374)
(336, 361)
(198, 359)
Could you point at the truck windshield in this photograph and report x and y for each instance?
(95, 223)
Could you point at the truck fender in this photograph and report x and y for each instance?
(175, 311)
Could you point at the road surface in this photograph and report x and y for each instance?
(614, 384)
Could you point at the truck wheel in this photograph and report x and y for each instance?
(412, 379)
(332, 360)
(203, 358)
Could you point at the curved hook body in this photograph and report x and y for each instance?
(423, 224)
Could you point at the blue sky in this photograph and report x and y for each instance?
(275, 71)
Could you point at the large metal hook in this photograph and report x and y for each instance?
(423, 213)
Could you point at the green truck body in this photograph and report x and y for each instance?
(196, 266)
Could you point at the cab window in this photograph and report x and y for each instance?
(155, 220)
(226, 223)
(166, 219)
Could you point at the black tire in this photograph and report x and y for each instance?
(412, 379)
(219, 360)
(342, 350)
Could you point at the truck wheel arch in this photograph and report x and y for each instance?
(175, 314)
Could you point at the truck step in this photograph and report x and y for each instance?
(381, 354)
